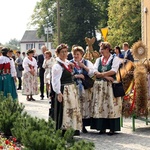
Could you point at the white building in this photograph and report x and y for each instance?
(30, 40)
(145, 8)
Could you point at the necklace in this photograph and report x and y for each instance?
(104, 61)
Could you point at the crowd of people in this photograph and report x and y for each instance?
(72, 105)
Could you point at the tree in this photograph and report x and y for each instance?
(103, 5)
(13, 44)
(124, 21)
(44, 15)
(79, 19)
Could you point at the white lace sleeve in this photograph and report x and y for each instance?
(12, 68)
(91, 68)
(96, 64)
(56, 76)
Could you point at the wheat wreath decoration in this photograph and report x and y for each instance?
(139, 50)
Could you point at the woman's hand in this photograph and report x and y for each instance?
(109, 79)
(81, 64)
(46, 66)
(15, 79)
(81, 76)
(32, 71)
(71, 64)
(99, 75)
(60, 97)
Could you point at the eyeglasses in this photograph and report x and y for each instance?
(63, 51)
(103, 48)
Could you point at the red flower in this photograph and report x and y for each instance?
(14, 145)
(1, 147)
(17, 148)
(7, 142)
(14, 139)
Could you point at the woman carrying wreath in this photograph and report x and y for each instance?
(106, 109)
(30, 82)
(65, 108)
(82, 68)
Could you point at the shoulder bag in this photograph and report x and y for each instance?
(87, 82)
(118, 89)
(20, 67)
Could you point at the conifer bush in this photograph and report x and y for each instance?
(34, 133)
(37, 134)
(9, 111)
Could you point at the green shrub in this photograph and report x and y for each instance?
(9, 111)
(25, 125)
(37, 134)
(34, 133)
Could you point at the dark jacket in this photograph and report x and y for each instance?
(40, 60)
(129, 56)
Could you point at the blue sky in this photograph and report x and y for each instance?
(14, 17)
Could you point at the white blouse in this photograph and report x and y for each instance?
(57, 71)
(27, 62)
(13, 68)
(115, 64)
(47, 64)
(4, 60)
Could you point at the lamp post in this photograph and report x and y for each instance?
(48, 30)
(47, 37)
(58, 21)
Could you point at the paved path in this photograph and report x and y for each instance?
(124, 140)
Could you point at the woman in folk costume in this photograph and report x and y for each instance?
(7, 75)
(30, 82)
(49, 61)
(106, 110)
(65, 108)
(83, 67)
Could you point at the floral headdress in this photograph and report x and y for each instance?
(104, 45)
(77, 48)
(61, 46)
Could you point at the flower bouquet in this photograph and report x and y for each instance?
(9, 144)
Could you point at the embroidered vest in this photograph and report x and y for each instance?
(5, 68)
(104, 68)
(83, 71)
(66, 75)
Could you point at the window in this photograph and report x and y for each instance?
(40, 45)
(29, 46)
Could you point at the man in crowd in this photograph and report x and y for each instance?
(23, 55)
(19, 69)
(40, 60)
(128, 55)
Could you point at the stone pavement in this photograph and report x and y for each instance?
(124, 140)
